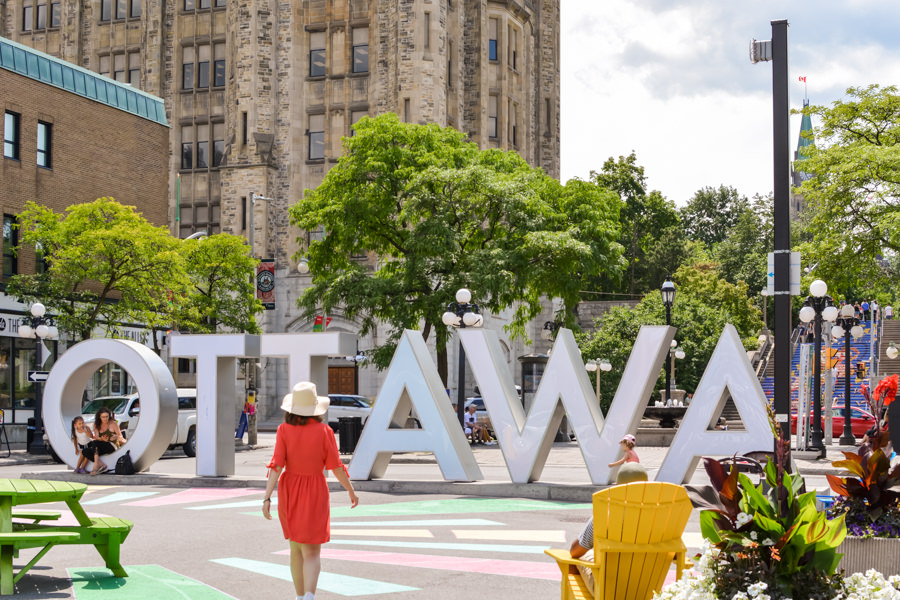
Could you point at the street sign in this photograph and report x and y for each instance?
(35, 376)
(795, 274)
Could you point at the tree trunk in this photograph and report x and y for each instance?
(442, 365)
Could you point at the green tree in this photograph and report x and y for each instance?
(223, 294)
(711, 213)
(647, 219)
(106, 264)
(743, 253)
(704, 303)
(440, 214)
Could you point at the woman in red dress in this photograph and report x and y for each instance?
(304, 447)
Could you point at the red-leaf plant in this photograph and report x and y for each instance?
(872, 479)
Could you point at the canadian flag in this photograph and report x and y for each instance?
(803, 78)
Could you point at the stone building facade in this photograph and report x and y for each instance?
(259, 94)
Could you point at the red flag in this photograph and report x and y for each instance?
(803, 78)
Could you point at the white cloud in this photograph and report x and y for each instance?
(671, 79)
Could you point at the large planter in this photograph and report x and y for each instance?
(862, 554)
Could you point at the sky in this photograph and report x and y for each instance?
(672, 80)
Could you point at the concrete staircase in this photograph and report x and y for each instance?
(890, 333)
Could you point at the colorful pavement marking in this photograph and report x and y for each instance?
(243, 504)
(452, 546)
(195, 495)
(68, 519)
(485, 566)
(453, 506)
(343, 585)
(144, 582)
(120, 497)
(513, 535)
(419, 523)
(401, 533)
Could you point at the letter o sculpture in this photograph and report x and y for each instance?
(156, 387)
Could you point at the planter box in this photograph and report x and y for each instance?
(862, 554)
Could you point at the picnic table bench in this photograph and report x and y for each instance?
(106, 534)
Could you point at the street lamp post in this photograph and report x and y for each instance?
(39, 327)
(597, 365)
(668, 297)
(847, 325)
(675, 352)
(462, 314)
(818, 307)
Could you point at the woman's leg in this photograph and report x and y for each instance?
(312, 564)
(297, 566)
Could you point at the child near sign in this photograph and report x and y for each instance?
(631, 456)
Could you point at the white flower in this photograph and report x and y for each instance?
(753, 535)
(743, 518)
(756, 589)
(740, 596)
(768, 542)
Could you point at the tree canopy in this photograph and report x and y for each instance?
(711, 213)
(704, 303)
(436, 214)
(105, 264)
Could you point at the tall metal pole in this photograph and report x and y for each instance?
(847, 438)
(816, 434)
(669, 361)
(37, 441)
(782, 219)
(461, 384)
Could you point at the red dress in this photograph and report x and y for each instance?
(303, 503)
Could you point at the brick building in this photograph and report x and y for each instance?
(69, 136)
(259, 94)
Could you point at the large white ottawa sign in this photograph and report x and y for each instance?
(412, 382)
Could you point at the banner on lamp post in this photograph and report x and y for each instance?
(265, 283)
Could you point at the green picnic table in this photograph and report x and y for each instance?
(106, 534)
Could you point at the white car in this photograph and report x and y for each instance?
(348, 405)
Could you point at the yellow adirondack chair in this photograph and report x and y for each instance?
(637, 535)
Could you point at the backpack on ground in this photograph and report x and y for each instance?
(124, 466)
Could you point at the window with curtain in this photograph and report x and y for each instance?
(203, 67)
(134, 69)
(27, 18)
(202, 146)
(137, 8)
(361, 50)
(492, 117)
(187, 68)
(106, 10)
(219, 67)
(55, 14)
(103, 69)
(493, 28)
(316, 137)
(41, 15)
(218, 144)
(317, 54)
(121, 9)
(120, 74)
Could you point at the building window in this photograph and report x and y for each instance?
(27, 18)
(41, 14)
(317, 54)
(10, 240)
(119, 72)
(55, 14)
(361, 50)
(450, 65)
(121, 8)
(513, 125)
(137, 8)
(219, 74)
(104, 66)
(11, 135)
(187, 68)
(427, 31)
(220, 3)
(355, 116)
(44, 144)
(406, 110)
(105, 10)
(316, 137)
(205, 3)
(218, 144)
(492, 39)
(513, 47)
(203, 148)
(203, 67)
(492, 117)
(187, 147)
(189, 5)
(134, 69)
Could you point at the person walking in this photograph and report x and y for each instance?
(304, 447)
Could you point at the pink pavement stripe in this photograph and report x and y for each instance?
(511, 568)
(195, 495)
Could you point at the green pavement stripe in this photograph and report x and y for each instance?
(343, 585)
(144, 582)
(419, 523)
(509, 548)
(452, 507)
(119, 497)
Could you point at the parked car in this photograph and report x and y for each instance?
(348, 405)
(126, 411)
(860, 421)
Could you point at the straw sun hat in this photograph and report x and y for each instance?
(304, 401)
